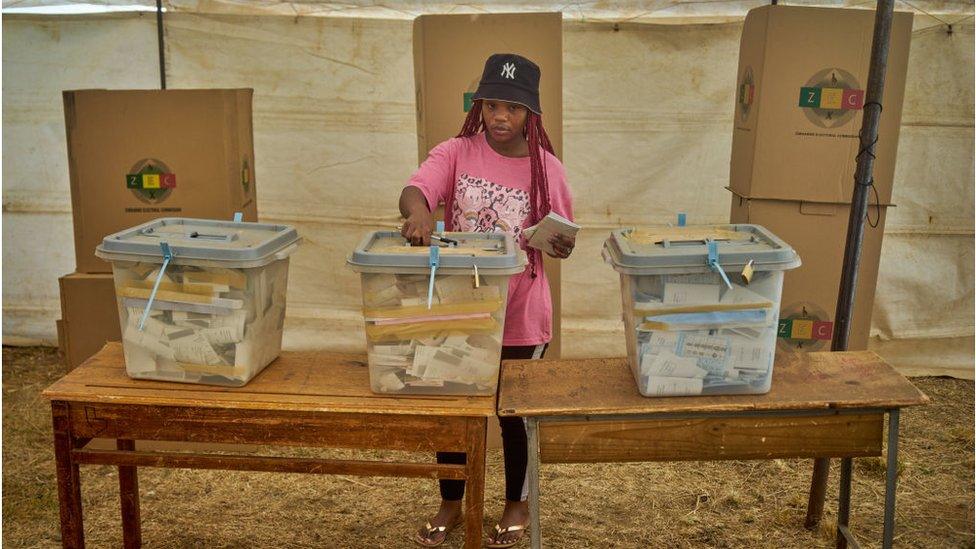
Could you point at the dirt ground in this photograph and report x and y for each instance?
(689, 504)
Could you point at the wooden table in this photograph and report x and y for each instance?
(821, 405)
(302, 399)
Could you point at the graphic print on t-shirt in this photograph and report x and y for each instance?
(482, 206)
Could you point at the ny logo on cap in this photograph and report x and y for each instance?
(508, 70)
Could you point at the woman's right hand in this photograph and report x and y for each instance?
(417, 228)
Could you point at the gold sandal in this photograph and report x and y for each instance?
(499, 531)
(424, 539)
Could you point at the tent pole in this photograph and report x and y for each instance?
(162, 51)
(863, 179)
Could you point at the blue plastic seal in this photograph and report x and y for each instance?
(713, 263)
(167, 256)
(435, 260)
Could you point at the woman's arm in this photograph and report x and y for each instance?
(428, 187)
(419, 223)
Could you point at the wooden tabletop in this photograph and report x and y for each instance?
(311, 381)
(807, 381)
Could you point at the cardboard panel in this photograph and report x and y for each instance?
(89, 315)
(800, 94)
(136, 155)
(818, 232)
(752, 51)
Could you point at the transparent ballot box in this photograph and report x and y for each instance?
(435, 317)
(200, 301)
(700, 306)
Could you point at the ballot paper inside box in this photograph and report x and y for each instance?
(690, 330)
(214, 313)
(452, 347)
(435, 330)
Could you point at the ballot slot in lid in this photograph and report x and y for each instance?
(381, 250)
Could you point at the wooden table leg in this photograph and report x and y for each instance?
(532, 472)
(69, 480)
(129, 496)
(474, 498)
(818, 492)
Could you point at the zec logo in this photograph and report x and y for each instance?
(150, 180)
(804, 326)
(831, 97)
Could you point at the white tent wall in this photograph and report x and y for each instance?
(647, 125)
(335, 137)
(41, 57)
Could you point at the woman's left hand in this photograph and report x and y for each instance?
(563, 246)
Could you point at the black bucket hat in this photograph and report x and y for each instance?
(510, 77)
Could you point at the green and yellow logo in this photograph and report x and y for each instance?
(746, 95)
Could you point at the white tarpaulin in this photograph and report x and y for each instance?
(589, 11)
(647, 132)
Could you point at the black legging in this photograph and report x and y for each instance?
(514, 443)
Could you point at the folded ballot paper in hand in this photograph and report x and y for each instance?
(539, 234)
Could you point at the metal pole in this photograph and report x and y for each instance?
(863, 179)
(891, 479)
(535, 520)
(863, 175)
(844, 502)
(162, 51)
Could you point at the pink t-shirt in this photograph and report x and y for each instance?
(491, 193)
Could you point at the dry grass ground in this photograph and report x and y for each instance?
(726, 504)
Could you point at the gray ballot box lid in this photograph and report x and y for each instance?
(388, 252)
(234, 244)
(672, 250)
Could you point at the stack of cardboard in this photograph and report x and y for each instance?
(89, 316)
(134, 156)
(799, 102)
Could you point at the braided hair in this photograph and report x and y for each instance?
(538, 139)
